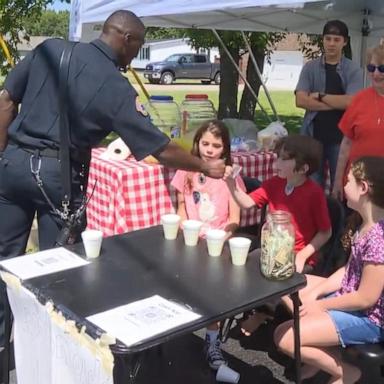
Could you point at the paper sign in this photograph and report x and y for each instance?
(142, 319)
(43, 263)
(45, 352)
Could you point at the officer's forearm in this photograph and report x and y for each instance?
(7, 114)
(174, 156)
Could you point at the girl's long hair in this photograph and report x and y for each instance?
(218, 129)
(371, 170)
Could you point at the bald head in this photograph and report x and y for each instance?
(123, 20)
(124, 32)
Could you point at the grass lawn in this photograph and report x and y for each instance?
(284, 102)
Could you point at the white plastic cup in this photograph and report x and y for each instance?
(191, 230)
(227, 375)
(239, 247)
(170, 223)
(92, 240)
(215, 241)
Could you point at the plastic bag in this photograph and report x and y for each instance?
(243, 134)
(268, 136)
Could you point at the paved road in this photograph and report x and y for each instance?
(182, 361)
(180, 87)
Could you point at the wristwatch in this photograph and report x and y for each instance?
(321, 95)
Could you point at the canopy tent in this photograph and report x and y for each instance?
(363, 17)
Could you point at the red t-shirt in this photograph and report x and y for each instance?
(363, 123)
(307, 205)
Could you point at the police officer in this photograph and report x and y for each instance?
(100, 100)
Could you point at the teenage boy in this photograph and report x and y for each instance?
(325, 89)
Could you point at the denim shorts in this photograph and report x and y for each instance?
(355, 328)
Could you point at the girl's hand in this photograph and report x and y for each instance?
(310, 296)
(312, 307)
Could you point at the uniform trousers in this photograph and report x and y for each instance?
(21, 199)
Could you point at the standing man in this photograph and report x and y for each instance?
(100, 100)
(325, 89)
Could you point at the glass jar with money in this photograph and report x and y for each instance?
(277, 260)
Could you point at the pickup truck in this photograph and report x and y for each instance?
(183, 66)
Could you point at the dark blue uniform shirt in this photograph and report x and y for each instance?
(101, 100)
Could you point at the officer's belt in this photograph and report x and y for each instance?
(76, 155)
(45, 152)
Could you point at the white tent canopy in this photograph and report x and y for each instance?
(248, 15)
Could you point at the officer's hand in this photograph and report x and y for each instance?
(214, 168)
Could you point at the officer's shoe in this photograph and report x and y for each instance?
(213, 353)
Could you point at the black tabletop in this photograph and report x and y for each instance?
(142, 263)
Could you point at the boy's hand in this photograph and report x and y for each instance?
(299, 266)
(228, 178)
(232, 171)
(236, 169)
(299, 262)
(228, 172)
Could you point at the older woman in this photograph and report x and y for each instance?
(363, 122)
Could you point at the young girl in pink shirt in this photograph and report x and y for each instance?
(202, 198)
(208, 200)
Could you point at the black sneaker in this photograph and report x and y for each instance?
(214, 354)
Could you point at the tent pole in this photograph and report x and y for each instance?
(365, 31)
(252, 56)
(362, 58)
(141, 85)
(5, 49)
(240, 74)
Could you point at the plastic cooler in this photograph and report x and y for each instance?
(165, 114)
(195, 110)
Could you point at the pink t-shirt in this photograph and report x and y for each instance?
(207, 199)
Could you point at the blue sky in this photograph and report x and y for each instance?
(59, 6)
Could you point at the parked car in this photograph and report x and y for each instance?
(183, 66)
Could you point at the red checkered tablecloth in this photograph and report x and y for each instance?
(130, 195)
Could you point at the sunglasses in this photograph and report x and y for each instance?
(372, 68)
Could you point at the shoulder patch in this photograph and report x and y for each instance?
(140, 107)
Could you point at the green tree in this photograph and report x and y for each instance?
(50, 23)
(14, 15)
(12, 18)
(157, 33)
(261, 45)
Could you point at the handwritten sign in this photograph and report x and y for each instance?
(45, 352)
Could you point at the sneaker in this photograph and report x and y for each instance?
(214, 354)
